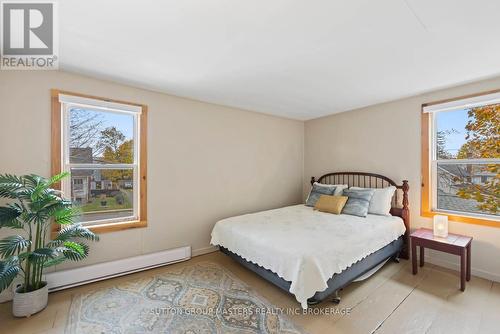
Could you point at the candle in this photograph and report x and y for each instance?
(441, 226)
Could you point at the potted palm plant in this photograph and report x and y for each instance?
(35, 207)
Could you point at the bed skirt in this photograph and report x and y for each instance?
(337, 281)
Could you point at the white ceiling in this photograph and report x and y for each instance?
(293, 58)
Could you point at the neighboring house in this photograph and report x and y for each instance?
(482, 177)
(452, 178)
(81, 178)
(101, 184)
(125, 184)
(84, 181)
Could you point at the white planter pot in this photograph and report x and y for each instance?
(28, 303)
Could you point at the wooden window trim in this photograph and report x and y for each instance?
(426, 207)
(56, 153)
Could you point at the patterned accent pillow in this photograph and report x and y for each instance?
(317, 190)
(358, 201)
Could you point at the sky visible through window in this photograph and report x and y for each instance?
(101, 133)
(453, 122)
(123, 122)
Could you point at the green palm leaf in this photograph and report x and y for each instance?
(40, 192)
(48, 209)
(74, 251)
(65, 215)
(11, 179)
(42, 254)
(54, 262)
(12, 245)
(10, 185)
(31, 181)
(12, 261)
(57, 178)
(8, 271)
(43, 202)
(9, 216)
(74, 231)
(22, 256)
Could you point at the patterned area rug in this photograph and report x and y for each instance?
(200, 298)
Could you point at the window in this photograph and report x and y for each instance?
(102, 144)
(461, 159)
(77, 183)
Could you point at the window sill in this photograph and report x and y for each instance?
(462, 219)
(113, 227)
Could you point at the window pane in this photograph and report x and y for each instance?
(100, 137)
(473, 188)
(103, 193)
(469, 133)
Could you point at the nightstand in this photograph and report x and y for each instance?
(453, 244)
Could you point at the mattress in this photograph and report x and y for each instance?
(304, 246)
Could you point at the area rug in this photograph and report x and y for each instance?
(198, 298)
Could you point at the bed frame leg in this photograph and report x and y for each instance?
(336, 297)
(312, 302)
(395, 257)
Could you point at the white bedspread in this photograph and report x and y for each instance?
(304, 246)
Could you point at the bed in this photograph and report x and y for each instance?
(313, 254)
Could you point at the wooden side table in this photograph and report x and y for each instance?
(454, 244)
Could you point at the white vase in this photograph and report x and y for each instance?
(28, 303)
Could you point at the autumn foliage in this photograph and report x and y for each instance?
(122, 153)
(483, 142)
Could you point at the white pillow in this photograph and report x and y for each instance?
(380, 204)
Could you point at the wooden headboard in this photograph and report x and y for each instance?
(369, 180)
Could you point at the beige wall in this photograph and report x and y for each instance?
(385, 139)
(206, 162)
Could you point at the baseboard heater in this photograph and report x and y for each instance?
(65, 279)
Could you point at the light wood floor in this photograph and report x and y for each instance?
(391, 301)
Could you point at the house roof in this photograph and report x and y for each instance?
(81, 155)
(457, 170)
(452, 202)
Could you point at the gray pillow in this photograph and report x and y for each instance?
(317, 190)
(358, 201)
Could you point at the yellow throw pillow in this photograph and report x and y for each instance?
(330, 204)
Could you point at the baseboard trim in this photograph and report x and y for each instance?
(455, 266)
(97, 272)
(205, 250)
(69, 278)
